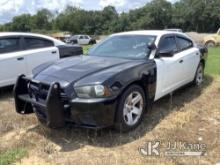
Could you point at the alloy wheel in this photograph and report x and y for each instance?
(133, 108)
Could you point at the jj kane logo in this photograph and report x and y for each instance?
(173, 149)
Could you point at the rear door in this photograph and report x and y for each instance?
(12, 61)
(38, 51)
(191, 57)
(87, 39)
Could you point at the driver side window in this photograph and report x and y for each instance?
(168, 44)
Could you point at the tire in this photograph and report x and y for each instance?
(199, 76)
(128, 114)
(91, 42)
(210, 44)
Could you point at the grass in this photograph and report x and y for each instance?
(213, 63)
(12, 156)
(86, 48)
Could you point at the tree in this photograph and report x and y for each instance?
(42, 20)
(189, 15)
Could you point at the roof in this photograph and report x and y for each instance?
(56, 42)
(148, 32)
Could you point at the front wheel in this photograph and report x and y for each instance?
(199, 77)
(130, 109)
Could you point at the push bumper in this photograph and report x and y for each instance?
(26, 103)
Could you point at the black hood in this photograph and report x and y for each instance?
(76, 68)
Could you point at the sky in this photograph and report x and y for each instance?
(11, 8)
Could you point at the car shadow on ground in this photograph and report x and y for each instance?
(6, 92)
(71, 138)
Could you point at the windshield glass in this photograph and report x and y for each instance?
(124, 46)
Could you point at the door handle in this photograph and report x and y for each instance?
(54, 52)
(181, 61)
(20, 58)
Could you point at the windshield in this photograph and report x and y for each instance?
(124, 46)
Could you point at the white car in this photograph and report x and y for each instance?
(82, 40)
(20, 53)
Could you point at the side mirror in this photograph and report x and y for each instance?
(151, 46)
(165, 53)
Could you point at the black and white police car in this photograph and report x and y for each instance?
(114, 83)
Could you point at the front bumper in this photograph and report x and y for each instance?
(57, 111)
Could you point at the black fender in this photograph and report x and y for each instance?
(143, 75)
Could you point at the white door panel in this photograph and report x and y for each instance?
(169, 75)
(191, 62)
(12, 65)
(80, 41)
(174, 72)
(37, 57)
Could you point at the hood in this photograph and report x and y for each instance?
(76, 68)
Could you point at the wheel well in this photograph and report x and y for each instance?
(139, 83)
(210, 41)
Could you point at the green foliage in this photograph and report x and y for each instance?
(86, 48)
(189, 15)
(213, 63)
(12, 156)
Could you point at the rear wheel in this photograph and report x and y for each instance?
(210, 44)
(199, 77)
(130, 109)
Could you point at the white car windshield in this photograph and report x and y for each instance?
(124, 46)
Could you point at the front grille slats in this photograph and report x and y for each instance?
(40, 92)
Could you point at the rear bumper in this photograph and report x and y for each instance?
(80, 112)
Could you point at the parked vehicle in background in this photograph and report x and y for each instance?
(212, 40)
(21, 52)
(82, 40)
(114, 83)
(67, 38)
(174, 30)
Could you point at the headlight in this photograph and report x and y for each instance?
(92, 91)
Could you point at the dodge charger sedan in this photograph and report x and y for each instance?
(114, 84)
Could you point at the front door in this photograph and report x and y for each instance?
(170, 70)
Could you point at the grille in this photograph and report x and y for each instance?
(40, 92)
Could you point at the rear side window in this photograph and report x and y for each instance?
(8, 45)
(168, 44)
(184, 43)
(34, 43)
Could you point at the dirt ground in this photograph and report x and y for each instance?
(192, 115)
